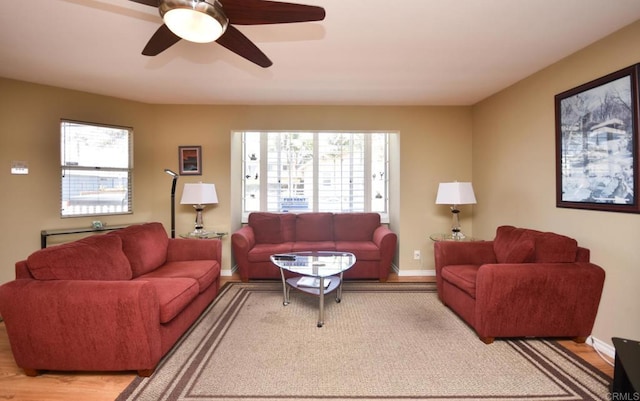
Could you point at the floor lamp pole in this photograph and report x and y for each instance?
(173, 201)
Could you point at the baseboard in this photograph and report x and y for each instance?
(602, 347)
(416, 273)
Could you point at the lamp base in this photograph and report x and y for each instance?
(456, 233)
(199, 225)
(198, 232)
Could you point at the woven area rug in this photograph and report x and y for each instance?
(384, 341)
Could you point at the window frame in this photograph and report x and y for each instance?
(262, 165)
(107, 203)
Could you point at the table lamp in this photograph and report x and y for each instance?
(199, 195)
(454, 194)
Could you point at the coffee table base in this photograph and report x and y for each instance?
(335, 284)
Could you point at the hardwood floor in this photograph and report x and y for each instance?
(65, 386)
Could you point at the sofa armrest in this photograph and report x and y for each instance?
(538, 298)
(386, 240)
(194, 249)
(242, 241)
(51, 324)
(447, 253)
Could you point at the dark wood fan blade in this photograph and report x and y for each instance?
(235, 41)
(152, 3)
(160, 41)
(258, 12)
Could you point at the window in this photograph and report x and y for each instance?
(315, 171)
(96, 167)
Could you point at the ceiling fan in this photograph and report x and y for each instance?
(205, 21)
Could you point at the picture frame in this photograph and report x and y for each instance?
(597, 144)
(190, 160)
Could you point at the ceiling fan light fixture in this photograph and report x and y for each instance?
(194, 20)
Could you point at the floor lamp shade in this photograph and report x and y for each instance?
(199, 195)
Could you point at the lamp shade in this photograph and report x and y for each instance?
(199, 194)
(455, 193)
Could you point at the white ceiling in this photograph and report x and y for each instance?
(366, 52)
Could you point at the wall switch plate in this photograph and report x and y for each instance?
(416, 255)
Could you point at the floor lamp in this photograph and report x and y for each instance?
(173, 201)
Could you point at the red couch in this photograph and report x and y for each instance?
(373, 244)
(111, 302)
(524, 283)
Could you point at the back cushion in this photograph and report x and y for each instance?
(517, 245)
(355, 226)
(99, 257)
(288, 227)
(314, 227)
(266, 227)
(555, 248)
(145, 246)
(513, 245)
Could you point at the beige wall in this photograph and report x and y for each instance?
(514, 175)
(434, 142)
(511, 156)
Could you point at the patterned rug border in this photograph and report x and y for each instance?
(532, 349)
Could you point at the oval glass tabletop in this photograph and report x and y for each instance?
(314, 263)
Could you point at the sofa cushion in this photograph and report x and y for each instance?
(513, 245)
(288, 227)
(355, 226)
(266, 227)
(263, 252)
(98, 257)
(521, 252)
(145, 246)
(314, 227)
(205, 272)
(462, 276)
(555, 248)
(173, 294)
(301, 246)
(363, 250)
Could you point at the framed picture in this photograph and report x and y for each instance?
(597, 144)
(190, 159)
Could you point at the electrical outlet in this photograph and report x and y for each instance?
(416, 255)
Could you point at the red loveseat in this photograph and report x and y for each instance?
(373, 244)
(524, 283)
(111, 302)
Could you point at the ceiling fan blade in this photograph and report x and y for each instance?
(258, 12)
(152, 3)
(235, 41)
(160, 41)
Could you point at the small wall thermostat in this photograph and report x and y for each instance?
(19, 167)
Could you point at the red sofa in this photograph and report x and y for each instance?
(373, 244)
(111, 302)
(524, 283)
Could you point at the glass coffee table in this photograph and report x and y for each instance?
(320, 273)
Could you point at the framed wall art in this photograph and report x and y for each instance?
(190, 159)
(597, 144)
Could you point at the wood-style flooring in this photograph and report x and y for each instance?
(95, 386)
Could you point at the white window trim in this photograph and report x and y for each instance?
(263, 165)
